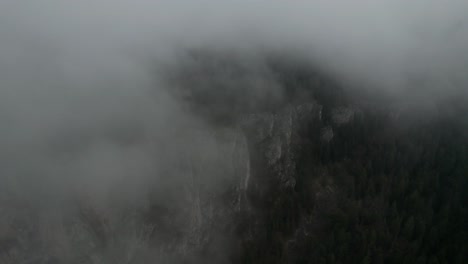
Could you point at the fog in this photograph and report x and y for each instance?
(87, 113)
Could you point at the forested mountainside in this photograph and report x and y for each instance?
(351, 185)
(307, 172)
(335, 178)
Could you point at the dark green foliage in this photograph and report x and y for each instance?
(390, 187)
(398, 194)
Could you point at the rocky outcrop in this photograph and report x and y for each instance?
(273, 139)
(342, 115)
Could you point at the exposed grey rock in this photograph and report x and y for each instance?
(261, 150)
(305, 110)
(327, 133)
(271, 136)
(342, 115)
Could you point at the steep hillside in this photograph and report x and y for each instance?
(284, 165)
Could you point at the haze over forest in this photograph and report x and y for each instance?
(137, 131)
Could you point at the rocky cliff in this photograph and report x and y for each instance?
(300, 173)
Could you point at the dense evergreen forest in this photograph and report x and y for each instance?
(389, 187)
(368, 181)
(278, 163)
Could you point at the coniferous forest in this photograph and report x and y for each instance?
(389, 187)
(233, 132)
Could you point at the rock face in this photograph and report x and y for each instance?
(327, 133)
(262, 159)
(226, 190)
(273, 141)
(304, 180)
(276, 142)
(265, 147)
(342, 115)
